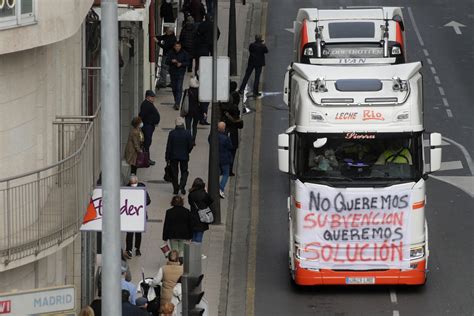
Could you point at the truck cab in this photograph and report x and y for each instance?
(350, 36)
(355, 155)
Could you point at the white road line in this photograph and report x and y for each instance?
(449, 113)
(430, 62)
(464, 152)
(393, 296)
(445, 102)
(448, 165)
(396, 313)
(441, 91)
(433, 70)
(425, 51)
(415, 27)
(436, 78)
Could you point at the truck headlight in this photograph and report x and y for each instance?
(396, 50)
(417, 252)
(308, 51)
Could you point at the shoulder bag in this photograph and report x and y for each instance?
(205, 215)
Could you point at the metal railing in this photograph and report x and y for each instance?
(43, 208)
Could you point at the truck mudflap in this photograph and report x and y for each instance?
(415, 276)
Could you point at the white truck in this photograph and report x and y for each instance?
(350, 36)
(357, 170)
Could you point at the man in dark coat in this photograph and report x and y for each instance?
(194, 114)
(166, 42)
(179, 145)
(204, 40)
(129, 309)
(257, 51)
(178, 61)
(197, 10)
(150, 118)
(166, 11)
(187, 38)
(225, 156)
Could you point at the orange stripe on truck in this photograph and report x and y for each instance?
(418, 205)
(304, 36)
(399, 35)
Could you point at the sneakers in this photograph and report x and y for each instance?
(128, 254)
(204, 123)
(203, 257)
(137, 252)
(176, 107)
(152, 162)
(221, 193)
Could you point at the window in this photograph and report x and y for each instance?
(351, 30)
(17, 12)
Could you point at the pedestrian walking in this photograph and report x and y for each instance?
(197, 10)
(187, 38)
(178, 61)
(177, 227)
(166, 42)
(231, 117)
(168, 276)
(198, 199)
(225, 156)
(129, 286)
(178, 147)
(204, 108)
(128, 308)
(194, 114)
(151, 118)
(166, 11)
(204, 40)
(257, 51)
(134, 144)
(133, 182)
(142, 303)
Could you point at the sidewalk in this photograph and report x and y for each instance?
(161, 192)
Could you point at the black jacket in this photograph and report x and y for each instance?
(132, 310)
(187, 37)
(257, 52)
(204, 38)
(194, 104)
(177, 224)
(166, 42)
(182, 57)
(166, 12)
(179, 145)
(199, 198)
(149, 114)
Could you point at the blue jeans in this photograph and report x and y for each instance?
(225, 169)
(177, 87)
(197, 236)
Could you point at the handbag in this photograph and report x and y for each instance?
(184, 106)
(205, 215)
(143, 159)
(167, 177)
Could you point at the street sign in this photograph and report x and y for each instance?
(205, 78)
(132, 210)
(38, 301)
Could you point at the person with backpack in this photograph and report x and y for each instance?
(198, 199)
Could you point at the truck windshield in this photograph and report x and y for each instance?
(381, 157)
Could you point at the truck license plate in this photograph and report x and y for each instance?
(366, 280)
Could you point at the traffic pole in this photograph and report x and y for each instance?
(213, 175)
(110, 160)
(232, 40)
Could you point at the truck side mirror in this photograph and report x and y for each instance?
(283, 153)
(435, 152)
(286, 88)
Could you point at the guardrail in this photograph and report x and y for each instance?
(43, 209)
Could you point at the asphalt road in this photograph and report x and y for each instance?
(449, 110)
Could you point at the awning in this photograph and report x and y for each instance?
(126, 14)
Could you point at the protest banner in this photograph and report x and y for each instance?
(355, 230)
(132, 210)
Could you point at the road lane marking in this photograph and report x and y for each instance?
(449, 113)
(393, 296)
(463, 183)
(448, 165)
(425, 51)
(445, 102)
(396, 313)
(433, 70)
(430, 62)
(464, 151)
(441, 91)
(415, 27)
(436, 78)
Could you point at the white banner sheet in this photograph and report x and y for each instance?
(353, 230)
(132, 210)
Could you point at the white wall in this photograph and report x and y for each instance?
(35, 86)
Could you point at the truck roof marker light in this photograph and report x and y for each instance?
(304, 35)
(418, 205)
(399, 34)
